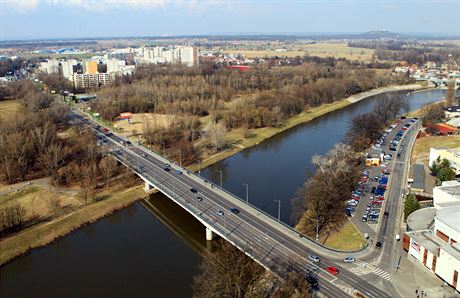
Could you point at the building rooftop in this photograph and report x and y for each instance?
(453, 250)
(427, 239)
(421, 219)
(418, 173)
(450, 216)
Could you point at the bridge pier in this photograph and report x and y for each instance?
(209, 234)
(148, 187)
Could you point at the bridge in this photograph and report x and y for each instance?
(273, 244)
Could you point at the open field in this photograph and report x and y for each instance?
(139, 121)
(45, 233)
(347, 238)
(9, 106)
(422, 145)
(36, 201)
(337, 50)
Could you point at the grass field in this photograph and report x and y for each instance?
(42, 234)
(9, 106)
(337, 50)
(347, 238)
(423, 145)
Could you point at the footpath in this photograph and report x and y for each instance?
(366, 94)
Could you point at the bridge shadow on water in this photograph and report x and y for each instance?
(178, 221)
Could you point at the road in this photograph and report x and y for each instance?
(272, 244)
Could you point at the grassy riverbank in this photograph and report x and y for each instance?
(42, 234)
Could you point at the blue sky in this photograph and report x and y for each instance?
(20, 19)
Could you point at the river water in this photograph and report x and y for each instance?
(155, 251)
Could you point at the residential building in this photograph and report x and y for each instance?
(50, 66)
(452, 155)
(91, 67)
(67, 68)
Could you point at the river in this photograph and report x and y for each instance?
(155, 251)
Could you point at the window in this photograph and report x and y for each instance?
(442, 236)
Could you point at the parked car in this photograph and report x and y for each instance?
(332, 270)
(314, 258)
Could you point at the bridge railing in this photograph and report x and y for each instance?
(285, 225)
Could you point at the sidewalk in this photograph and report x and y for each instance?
(413, 276)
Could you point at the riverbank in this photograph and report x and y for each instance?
(238, 140)
(45, 233)
(366, 94)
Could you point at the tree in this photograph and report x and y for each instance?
(108, 166)
(55, 205)
(12, 218)
(227, 273)
(216, 133)
(411, 204)
(364, 129)
(390, 107)
(327, 191)
(442, 170)
(450, 92)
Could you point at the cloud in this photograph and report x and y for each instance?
(100, 5)
(22, 6)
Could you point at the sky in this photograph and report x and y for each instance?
(35, 19)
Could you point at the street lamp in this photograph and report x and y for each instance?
(279, 209)
(220, 177)
(247, 191)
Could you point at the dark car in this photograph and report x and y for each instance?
(385, 214)
(313, 282)
(200, 199)
(234, 210)
(128, 143)
(167, 169)
(193, 190)
(378, 244)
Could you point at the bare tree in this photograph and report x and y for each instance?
(216, 132)
(108, 166)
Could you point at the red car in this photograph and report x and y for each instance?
(332, 270)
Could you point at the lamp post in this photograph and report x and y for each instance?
(220, 177)
(247, 191)
(279, 209)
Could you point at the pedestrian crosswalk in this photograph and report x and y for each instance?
(360, 268)
(382, 273)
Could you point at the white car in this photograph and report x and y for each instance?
(349, 260)
(314, 258)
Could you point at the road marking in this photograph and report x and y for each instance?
(383, 274)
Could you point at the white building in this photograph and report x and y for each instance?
(452, 155)
(437, 245)
(50, 66)
(181, 54)
(67, 68)
(447, 194)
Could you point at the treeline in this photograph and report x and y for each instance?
(228, 272)
(16, 89)
(418, 56)
(201, 91)
(321, 201)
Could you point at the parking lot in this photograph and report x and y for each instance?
(367, 201)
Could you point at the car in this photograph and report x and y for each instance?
(332, 270)
(378, 244)
(178, 172)
(104, 129)
(193, 190)
(144, 155)
(167, 165)
(167, 169)
(128, 143)
(364, 218)
(386, 214)
(199, 199)
(313, 282)
(220, 212)
(234, 210)
(109, 134)
(349, 260)
(314, 258)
